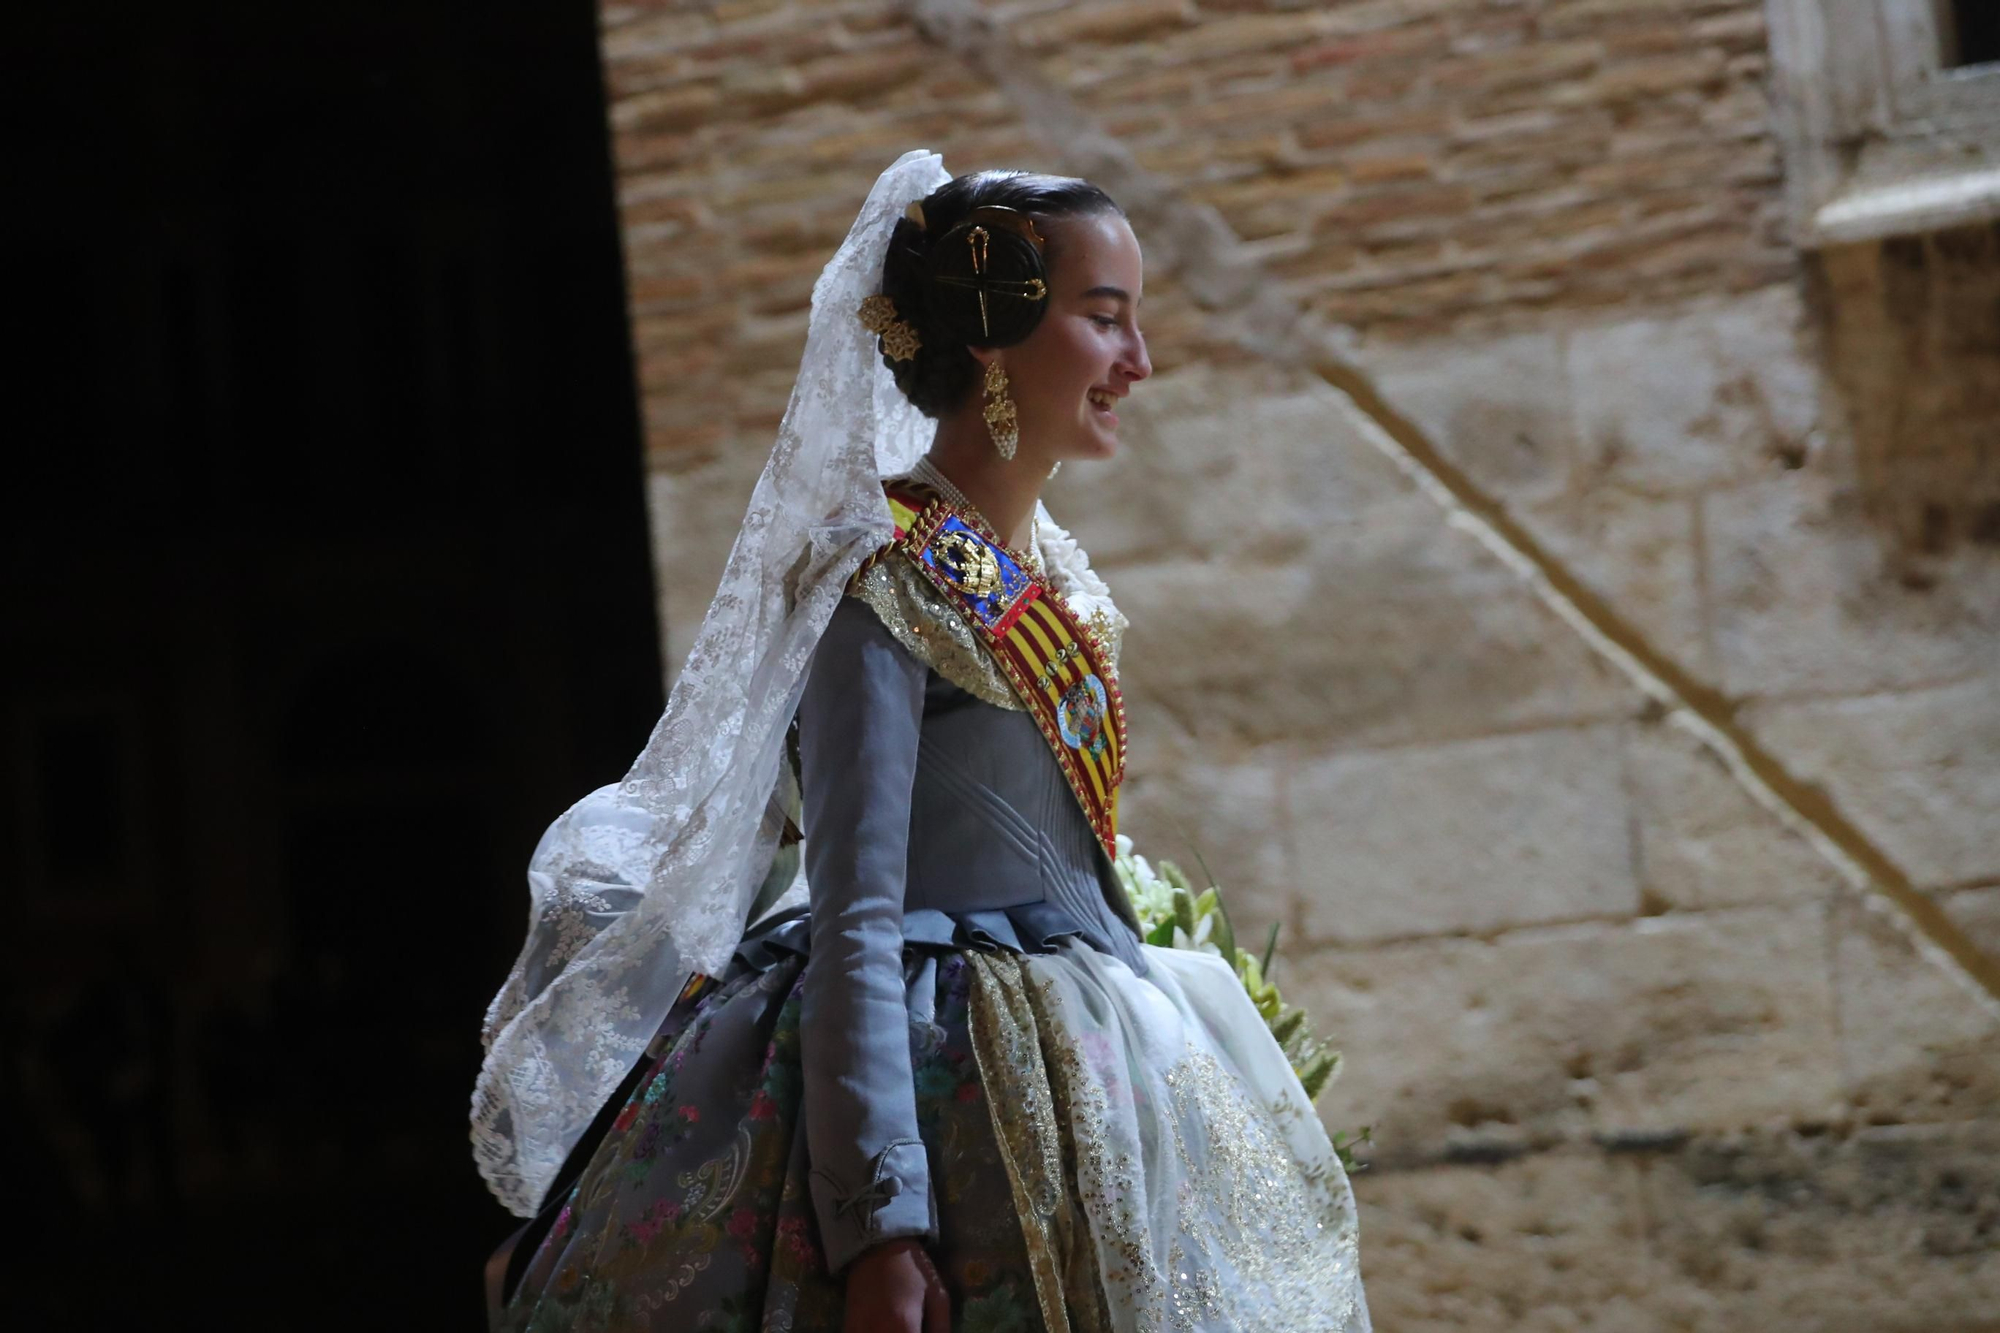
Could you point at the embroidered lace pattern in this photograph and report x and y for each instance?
(1009, 1056)
(1246, 1210)
(919, 618)
(644, 882)
(1200, 1196)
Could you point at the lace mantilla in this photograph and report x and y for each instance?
(1159, 1189)
(645, 882)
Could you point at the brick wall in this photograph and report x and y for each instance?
(1617, 735)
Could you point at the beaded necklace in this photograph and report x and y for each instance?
(927, 472)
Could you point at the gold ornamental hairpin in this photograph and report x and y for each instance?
(979, 240)
(899, 340)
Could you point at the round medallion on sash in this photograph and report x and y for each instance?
(1081, 715)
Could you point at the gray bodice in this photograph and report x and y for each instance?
(933, 820)
(1000, 854)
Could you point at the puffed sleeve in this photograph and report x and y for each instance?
(859, 722)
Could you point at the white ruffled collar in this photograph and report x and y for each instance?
(1069, 570)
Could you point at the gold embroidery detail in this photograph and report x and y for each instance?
(1253, 1209)
(1261, 1238)
(969, 562)
(1107, 1179)
(1024, 1126)
(917, 616)
(1106, 629)
(1257, 1232)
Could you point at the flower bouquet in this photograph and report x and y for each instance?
(1172, 914)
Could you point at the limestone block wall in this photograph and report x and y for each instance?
(1570, 610)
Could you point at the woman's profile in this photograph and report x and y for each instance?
(942, 1083)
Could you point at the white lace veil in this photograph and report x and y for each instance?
(643, 883)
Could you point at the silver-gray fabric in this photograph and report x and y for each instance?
(933, 820)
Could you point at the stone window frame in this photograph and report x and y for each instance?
(1881, 139)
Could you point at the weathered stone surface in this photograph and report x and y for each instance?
(695, 517)
(1913, 356)
(1555, 1241)
(1678, 404)
(1232, 462)
(1389, 641)
(1498, 407)
(1328, 682)
(1916, 1043)
(1639, 555)
(1178, 805)
(1718, 1020)
(1703, 841)
(1443, 839)
(1809, 598)
(1918, 772)
(1286, 583)
(1889, 1231)
(1501, 409)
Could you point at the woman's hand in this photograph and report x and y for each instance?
(894, 1288)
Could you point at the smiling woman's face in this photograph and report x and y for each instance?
(1067, 376)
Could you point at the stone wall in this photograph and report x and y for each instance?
(1570, 610)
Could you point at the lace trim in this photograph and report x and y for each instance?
(686, 838)
(1216, 1224)
(918, 617)
(1087, 594)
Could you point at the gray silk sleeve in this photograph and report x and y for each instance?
(859, 722)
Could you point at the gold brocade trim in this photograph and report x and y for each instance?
(1032, 1122)
(1009, 1056)
(1106, 1179)
(932, 630)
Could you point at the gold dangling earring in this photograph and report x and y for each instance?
(1057, 468)
(1001, 422)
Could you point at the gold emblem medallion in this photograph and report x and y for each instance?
(970, 562)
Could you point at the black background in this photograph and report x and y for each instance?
(1978, 32)
(326, 588)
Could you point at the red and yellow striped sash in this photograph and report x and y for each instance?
(1059, 670)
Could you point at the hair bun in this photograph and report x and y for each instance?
(989, 283)
(931, 275)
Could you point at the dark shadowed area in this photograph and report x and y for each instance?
(326, 588)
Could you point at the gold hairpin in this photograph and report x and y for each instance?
(979, 241)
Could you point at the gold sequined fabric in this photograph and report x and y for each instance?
(1030, 1139)
(925, 623)
(1167, 1169)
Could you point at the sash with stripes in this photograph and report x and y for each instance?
(1059, 670)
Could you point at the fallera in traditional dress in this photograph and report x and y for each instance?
(960, 1037)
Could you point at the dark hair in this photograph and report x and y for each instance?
(947, 317)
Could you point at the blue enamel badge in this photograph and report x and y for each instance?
(988, 577)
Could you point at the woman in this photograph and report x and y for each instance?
(953, 1089)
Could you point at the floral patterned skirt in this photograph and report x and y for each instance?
(1151, 1163)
